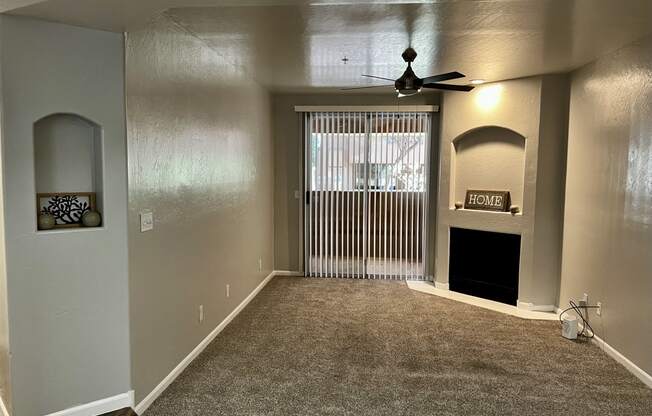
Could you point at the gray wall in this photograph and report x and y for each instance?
(68, 296)
(65, 148)
(550, 186)
(5, 393)
(608, 214)
(201, 158)
(288, 170)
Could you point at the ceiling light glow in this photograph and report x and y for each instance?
(488, 97)
(477, 81)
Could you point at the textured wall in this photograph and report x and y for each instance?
(288, 170)
(551, 181)
(67, 289)
(5, 393)
(201, 158)
(64, 154)
(608, 216)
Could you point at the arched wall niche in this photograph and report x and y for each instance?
(488, 157)
(68, 156)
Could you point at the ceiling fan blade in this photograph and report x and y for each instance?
(443, 77)
(369, 86)
(373, 76)
(438, 86)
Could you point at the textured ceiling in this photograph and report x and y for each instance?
(299, 45)
(6, 5)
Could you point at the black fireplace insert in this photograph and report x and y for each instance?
(485, 264)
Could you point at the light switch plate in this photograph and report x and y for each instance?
(146, 221)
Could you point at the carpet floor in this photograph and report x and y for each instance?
(351, 347)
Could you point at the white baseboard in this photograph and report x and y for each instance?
(537, 308)
(441, 286)
(637, 371)
(3, 408)
(99, 407)
(624, 361)
(288, 273)
(429, 288)
(154, 394)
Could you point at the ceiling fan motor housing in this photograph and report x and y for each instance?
(409, 55)
(408, 83)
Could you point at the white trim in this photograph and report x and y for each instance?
(367, 108)
(429, 288)
(288, 273)
(441, 286)
(624, 361)
(158, 390)
(99, 407)
(522, 312)
(3, 408)
(637, 371)
(528, 306)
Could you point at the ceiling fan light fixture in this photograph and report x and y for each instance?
(477, 81)
(407, 92)
(410, 84)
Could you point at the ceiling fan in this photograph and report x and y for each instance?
(410, 84)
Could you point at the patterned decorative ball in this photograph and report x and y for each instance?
(46, 221)
(91, 219)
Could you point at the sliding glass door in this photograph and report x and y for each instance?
(366, 194)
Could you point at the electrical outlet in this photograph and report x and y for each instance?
(201, 313)
(598, 310)
(228, 290)
(260, 264)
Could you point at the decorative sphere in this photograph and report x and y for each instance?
(46, 221)
(458, 205)
(91, 219)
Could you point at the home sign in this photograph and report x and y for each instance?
(487, 200)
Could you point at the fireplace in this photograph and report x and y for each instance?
(485, 264)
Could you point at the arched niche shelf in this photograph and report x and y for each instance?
(68, 158)
(491, 158)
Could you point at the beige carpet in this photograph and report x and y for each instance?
(349, 347)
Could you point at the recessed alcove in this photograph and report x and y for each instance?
(488, 158)
(68, 157)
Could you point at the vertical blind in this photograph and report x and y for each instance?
(366, 202)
